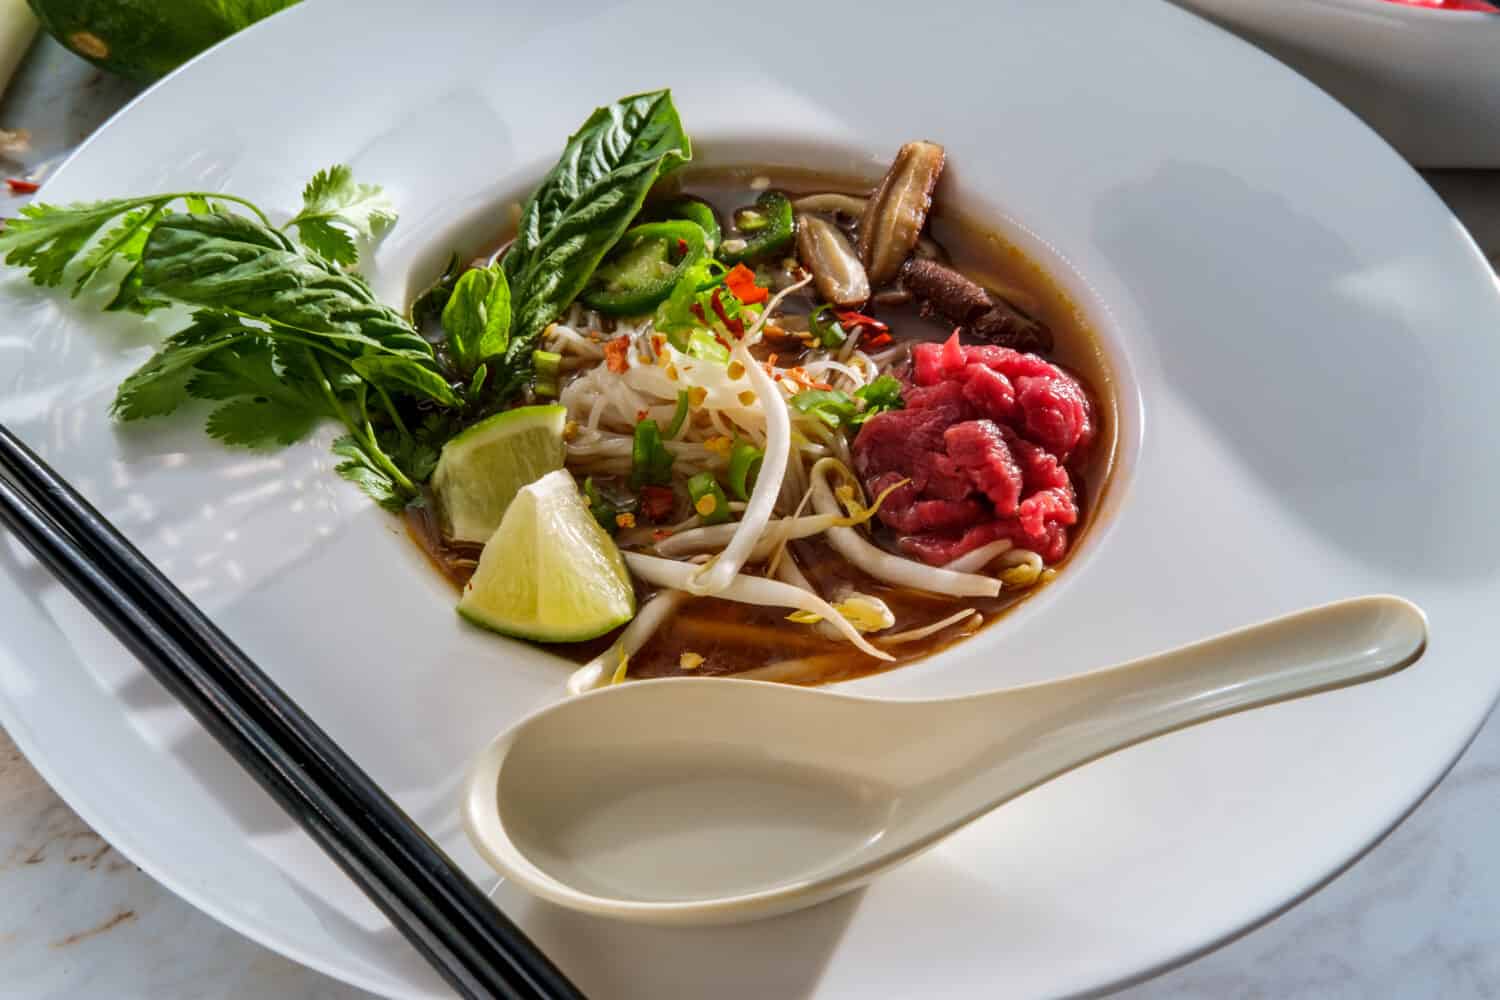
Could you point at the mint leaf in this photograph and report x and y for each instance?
(335, 209)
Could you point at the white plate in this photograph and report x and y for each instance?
(1426, 79)
(1312, 338)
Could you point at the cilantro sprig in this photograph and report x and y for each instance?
(283, 335)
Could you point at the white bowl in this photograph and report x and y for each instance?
(1299, 314)
(1427, 80)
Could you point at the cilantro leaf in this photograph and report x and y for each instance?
(123, 242)
(263, 421)
(161, 384)
(361, 469)
(880, 395)
(265, 407)
(336, 209)
(831, 406)
(44, 239)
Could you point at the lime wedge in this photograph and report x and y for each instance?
(481, 470)
(549, 572)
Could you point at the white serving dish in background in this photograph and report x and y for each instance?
(1427, 80)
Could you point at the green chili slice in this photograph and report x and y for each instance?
(708, 498)
(774, 227)
(744, 461)
(644, 267)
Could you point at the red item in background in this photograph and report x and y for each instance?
(20, 186)
(1470, 5)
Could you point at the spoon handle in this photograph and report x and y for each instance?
(1032, 734)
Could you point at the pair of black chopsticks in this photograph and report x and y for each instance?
(444, 914)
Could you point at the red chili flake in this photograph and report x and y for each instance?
(851, 319)
(657, 502)
(641, 415)
(18, 185)
(697, 310)
(741, 283)
(877, 340)
(660, 534)
(682, 245)
(617, 355)
(735, 326)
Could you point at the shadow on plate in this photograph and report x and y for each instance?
(1322, 376)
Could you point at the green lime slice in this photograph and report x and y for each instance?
(549, 573)
(481, 470)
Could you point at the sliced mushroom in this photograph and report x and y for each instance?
(961, 300)
(837, 272)
(893, 219)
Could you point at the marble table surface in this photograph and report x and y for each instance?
(1416, 917)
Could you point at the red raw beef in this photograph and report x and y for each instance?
(985, 440)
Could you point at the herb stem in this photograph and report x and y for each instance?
(390, 407)
(377, 453)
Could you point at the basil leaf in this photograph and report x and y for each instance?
(641, 129)
(234, 264)
(476, 319)
(584, 205)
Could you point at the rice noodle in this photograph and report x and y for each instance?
(598, 671)
(882, 565)
(751, 590)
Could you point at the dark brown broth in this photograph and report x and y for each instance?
(735, 637)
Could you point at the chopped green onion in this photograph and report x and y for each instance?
(679, 415)
(825, 326)
(651, 462)
(744, 462)
(831, 406)
(606, 510)
(548, 366)
(704, 346)
(708, 498)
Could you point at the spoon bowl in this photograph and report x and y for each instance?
(714, 800)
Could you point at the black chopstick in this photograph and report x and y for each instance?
(419, 888)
